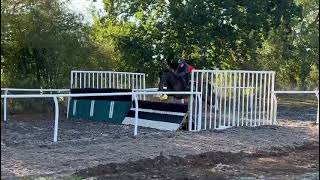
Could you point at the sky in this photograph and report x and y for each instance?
(82, 7)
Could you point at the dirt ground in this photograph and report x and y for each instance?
(99, 150)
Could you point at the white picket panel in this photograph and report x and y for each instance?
(232, 98)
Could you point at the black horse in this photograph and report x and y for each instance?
(169, 79)
(173, 82)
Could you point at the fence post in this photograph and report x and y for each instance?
(275, 108)
(135, 115)
(5, 106)
(56, 119)
(199, 111)
(317, 121)
(190, 102)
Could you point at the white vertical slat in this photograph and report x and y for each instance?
(114, 81)
(251, 99)
(260, 99)
(234, 98)
(93, 80)
(255, 99)
(137, 83)
(89, 80)
(264, 99)
(105, 80)
(80, 83)
(243, 95)
(221, 80)
(239, 95)
(214, 85)
(133, 82)
(196, 103)
(85, 80)
(125, 81)
(117, 80)
(71, 83)
(76, 80)
(200, 100)
(271, 106)
(101, 80)
(110, 80)
(206, 100)
(200, 111)
(191, 102)
(268, 98)
(144, 85)
(225, 98)
(121, 81)
(97, 86)
(129, 80)
(211, 97)
(229, 103)
(140, 84)
(248, 90)
(317, 120)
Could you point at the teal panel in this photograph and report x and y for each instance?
(121, 108)
(83, 109)
(101, 110)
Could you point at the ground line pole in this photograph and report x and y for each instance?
(56, 119)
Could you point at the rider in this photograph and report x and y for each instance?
(184, 72)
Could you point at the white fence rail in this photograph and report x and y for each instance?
(218, 98)
(6, 91)
(134, 94)
(233, 98)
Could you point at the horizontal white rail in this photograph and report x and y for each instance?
(231, 87)
(55, 98)
(295, 92)
(233, 71)
(96, 94)
(31, 90)
(113, 72)
(148, 89)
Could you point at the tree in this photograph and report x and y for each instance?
(211, 34)
(42, 42)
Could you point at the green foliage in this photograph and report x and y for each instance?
(41, 42)
(211, 34)
(293, 52)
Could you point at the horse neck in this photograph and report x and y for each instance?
(172, 80)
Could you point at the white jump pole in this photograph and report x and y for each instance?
(56, 119)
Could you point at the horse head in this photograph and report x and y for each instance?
(171, 80)
(164, 76)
